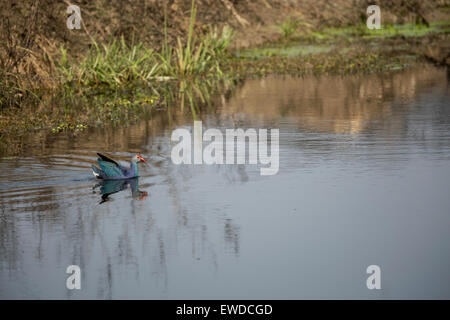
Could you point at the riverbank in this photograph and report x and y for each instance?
(118, 81)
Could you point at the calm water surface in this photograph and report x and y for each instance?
(364, 179)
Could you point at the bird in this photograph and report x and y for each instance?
(111, 170)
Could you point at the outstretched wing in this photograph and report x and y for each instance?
(110, 169)
(105, 158)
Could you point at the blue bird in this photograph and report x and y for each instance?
(111, 170)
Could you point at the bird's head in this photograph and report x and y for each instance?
(137, 158)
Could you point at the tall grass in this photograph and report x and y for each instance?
(118, 81)
(288, 27)
(197, 56)
(112, 64)
(118, 64)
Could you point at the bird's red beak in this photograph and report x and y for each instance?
(140, 158)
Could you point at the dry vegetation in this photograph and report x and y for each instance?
(123, 41)
(33, 31)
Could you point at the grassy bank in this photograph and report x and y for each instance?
(113, 82)
(120, 80)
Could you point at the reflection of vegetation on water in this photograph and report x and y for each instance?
(194, 96)
(76, 111)
(351, 105)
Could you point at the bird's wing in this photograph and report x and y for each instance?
(105, 158)
(110, 169)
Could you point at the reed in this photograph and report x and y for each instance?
(111, 64)
(118, 64)
(198, 56)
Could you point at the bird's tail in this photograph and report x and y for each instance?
(98, 173)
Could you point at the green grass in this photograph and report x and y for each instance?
(199, 56)
(386, 31)
(406, 30)
(284, 51)
(288, 27)
(111, 64)
(118, 64)
(116, 82)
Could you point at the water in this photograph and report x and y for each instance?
(364, 180)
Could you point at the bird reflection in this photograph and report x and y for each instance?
(109, 187)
